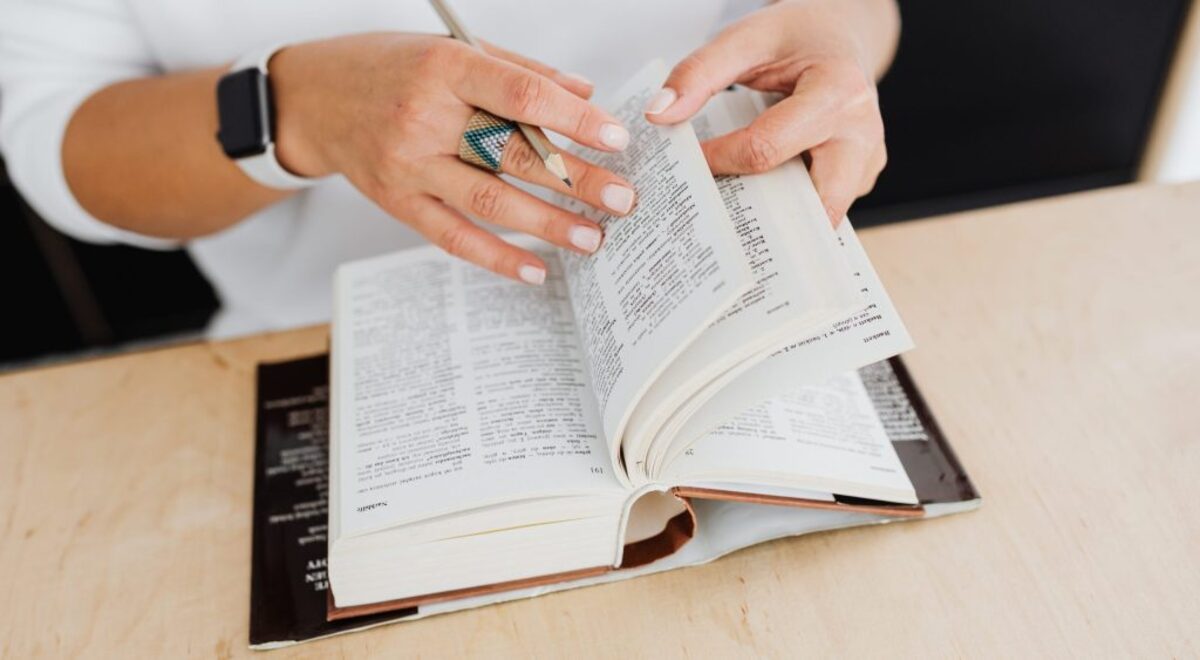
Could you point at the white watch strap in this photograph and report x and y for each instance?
(256, 59)
(265, 168)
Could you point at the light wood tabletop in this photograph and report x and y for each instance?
(1058, 344)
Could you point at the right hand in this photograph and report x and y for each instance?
(387, 111)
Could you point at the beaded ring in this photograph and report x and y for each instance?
(482, 143)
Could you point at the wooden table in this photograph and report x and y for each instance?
(1059, 344)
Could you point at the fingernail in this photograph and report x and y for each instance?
(585, 238)
(661, 101)
(579, 79)
(618, 198)
(531, 274)
(614, 136)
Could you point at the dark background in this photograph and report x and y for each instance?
(64, 296)
(999, 100)
(987, 102)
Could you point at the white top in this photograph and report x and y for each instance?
(274, 269)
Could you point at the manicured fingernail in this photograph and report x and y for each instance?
(614, 136)
(531, 274)
(661, 101)
(618, 198)
(585, 238)
(579, 79)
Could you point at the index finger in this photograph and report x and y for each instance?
(575, 83)
(705, 72)
(514, 92)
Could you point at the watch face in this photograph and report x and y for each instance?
(243, 108)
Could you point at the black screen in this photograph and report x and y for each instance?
(241, 103)
(995, 101)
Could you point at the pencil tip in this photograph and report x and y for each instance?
(554, 163)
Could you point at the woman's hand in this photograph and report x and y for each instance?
(824, 54)
(387, 111)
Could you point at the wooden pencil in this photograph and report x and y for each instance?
(545, 149)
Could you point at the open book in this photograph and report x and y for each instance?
(489, 436)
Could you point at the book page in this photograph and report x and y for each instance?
(802, 278)
(454, 388)
(875, 333)
(824, 437)
(664, 272)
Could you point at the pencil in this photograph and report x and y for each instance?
(545, 149)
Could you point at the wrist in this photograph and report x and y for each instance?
(296, 141)
(873, 29)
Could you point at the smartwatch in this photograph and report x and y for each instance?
(246, 117)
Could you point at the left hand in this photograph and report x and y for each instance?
(825, 55)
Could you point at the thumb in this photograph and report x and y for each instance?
(702, 74)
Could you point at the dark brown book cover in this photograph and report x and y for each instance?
(923, 449)
(288, 581)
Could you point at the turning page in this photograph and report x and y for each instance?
(454, 389)
(875, 333)
(801, 275)
(664, 273)
(826, 437)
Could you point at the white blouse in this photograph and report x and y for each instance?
(274, 269)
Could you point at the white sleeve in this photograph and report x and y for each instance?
(54, 54)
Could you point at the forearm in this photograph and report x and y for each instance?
(875, 25)
(142, 155)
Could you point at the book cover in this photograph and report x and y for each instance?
(288, 582)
